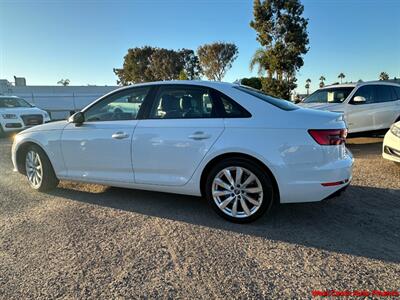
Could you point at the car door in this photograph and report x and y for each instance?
(181, 127)
(99, 149)
(361, 116)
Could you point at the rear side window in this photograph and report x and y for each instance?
(280, 103)
(230, 109)
(385, 93)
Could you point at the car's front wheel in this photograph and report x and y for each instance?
(39, 170)
(239, 190)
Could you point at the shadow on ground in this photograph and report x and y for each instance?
(364, 221)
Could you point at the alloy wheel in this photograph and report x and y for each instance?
(237, 192)
(34, 168)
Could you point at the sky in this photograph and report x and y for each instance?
(46, 40)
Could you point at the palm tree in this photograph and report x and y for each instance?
(64, 82)
(322, 79)
(384, 76)
(259, 59)
(341, 76)
(307, 86)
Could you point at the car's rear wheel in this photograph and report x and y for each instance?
(39, 170)
(239, 190)
(2, 132)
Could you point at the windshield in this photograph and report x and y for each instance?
(13, 102)
(280, 103)
(330, 95)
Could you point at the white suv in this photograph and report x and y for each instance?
(17, 114)
(367, 106)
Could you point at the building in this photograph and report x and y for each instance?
(59, 101)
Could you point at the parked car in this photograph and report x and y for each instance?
(17, 114)
(367, 106)
(241, 149)
(391, 144)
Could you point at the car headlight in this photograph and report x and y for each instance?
(395, 130)
(9, 116)
(46, 115)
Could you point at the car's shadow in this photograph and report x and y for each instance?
(364, 221)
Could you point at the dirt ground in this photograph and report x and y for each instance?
(89, 241)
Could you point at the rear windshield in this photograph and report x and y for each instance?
(331, 95)
(280, 103)
(13, 102)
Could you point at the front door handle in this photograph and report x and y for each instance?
(120, 135)
(199, 135)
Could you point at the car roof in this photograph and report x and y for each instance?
(212, 84)
(353, 84)
(8, 97)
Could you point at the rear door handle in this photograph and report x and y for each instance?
(120, 135)
(199, 135)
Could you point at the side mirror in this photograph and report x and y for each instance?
(359, 100)
(77, 118)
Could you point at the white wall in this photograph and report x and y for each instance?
(58, 100)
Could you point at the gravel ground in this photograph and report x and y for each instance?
(89, 241)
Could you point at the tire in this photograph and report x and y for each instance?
(222, 197)
(39, 171)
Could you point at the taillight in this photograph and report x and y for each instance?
(328, 136)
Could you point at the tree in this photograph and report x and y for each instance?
(341, 76)
(307, 86)
(64, 82)
(253, 82)
(384, 76)
(183, 75)
(136, 66)
(165, 64)
(216, 59)
(322, 81)
(190, 63)
(282, 31)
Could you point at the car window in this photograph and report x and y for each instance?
(118, 107)
(397, 90)
(231, 109)
(183, 103)
(280, 103)
(329, 95)
(368, 92)
(385, 93)
(13, 102)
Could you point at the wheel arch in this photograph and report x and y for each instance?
(21, 152)
(237, 155)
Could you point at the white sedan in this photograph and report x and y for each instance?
(239, 148)
(17, 114)
(391, 144)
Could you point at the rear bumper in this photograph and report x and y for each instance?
(310, 188)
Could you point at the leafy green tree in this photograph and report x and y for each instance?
(253, 82)
(165, 64)
(136, 65)
(282, 32)
(183, 75)
(322, 81)
(64, 82)
(216, 59)
(190, 63)
(341, 76)
(384, 76)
